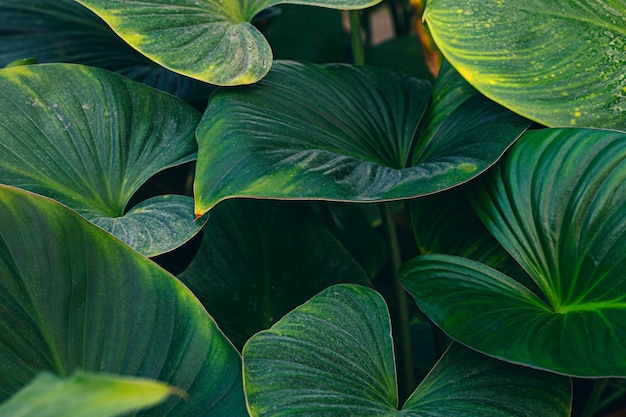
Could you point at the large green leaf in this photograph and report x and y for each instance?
(345, 133)
(557, 204)
(559, 62)
(333, 356)
(65, 31)
(209, 40)
(85, 394)
(89, 139)
(74, 297)
(260, 259)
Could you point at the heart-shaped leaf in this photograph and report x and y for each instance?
(341, 132)
(209, 40)
(85, 394)
(557, 204)
(333, 356)
(260, 259)
(65, 31)
(560, 63)
(73, 297)
(89, 139)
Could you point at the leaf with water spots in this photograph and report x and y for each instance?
(558, 62)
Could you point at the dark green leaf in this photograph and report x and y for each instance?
(73, 297)
(340, 132)
(557, 204)
(260, 259)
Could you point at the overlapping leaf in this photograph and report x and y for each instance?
(209, 40)
(261, 259)
(345, 133)
(73, 297)
(557, 204)
(559, 62)
(84, 394)
(89, 139)
(65, 31)
(333, 356)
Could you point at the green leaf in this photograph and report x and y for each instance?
(89, 139)
(209, 40)
(333, 356)
(260, 259)
(156, 225)
(73, 297)
(84, 395)
(343, 133)
(558, 62)
(557, 204)
(65, 31)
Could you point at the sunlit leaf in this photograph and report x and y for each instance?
(209, 40)
(557, 204)
(558, 62)
(89, 139)
(74, 297)
(84, 395)
(333, 356)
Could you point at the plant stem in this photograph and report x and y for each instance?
(358, 54)
(591, 405)
(405, 351)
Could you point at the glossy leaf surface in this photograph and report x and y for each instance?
(73, 297)
(333, 356)
(209, 40)
(65, 31)
(84, 394)
(557, 204)
(558, 62)
(89, 139)
(343, 133)
(260, 259)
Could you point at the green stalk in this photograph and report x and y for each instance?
(358, 54)
(591, 406)
(405, 350)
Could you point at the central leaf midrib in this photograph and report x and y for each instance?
(596, 306)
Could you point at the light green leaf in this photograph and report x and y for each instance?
(89, 139)
(558, 62)
(343, 133)
(333, 356)
(85, 394)
(557, 204)
(65, 31)
(73, 297)
(260, 259)
(209, 40)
